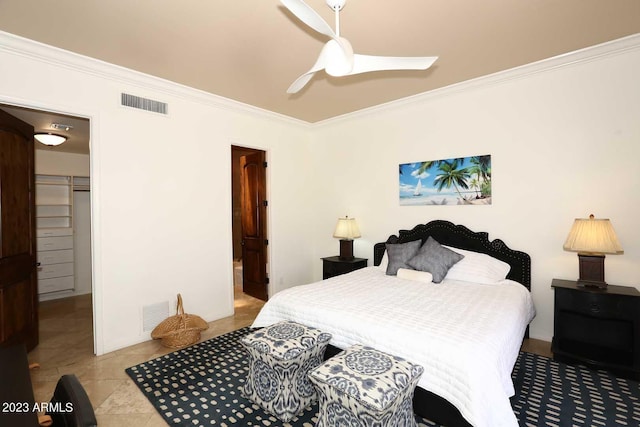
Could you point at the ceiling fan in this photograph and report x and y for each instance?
(337, 57)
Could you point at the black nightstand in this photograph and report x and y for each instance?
(334, 266)
(597, 327)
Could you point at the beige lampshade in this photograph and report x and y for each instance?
(591, 235)
(347, 229)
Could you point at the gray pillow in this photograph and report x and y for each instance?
(435, 259)
(399, 254)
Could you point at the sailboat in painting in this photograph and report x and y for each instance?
(417, 192)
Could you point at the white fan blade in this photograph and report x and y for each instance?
(320, 64)
(301, 82)
(306, 14)
(366, 63)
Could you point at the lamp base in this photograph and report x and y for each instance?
(346, 250)
(591, 268)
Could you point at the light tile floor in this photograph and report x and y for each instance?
(66, 347)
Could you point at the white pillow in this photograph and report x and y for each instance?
(384, 262)
(420, 276)
(478, 268)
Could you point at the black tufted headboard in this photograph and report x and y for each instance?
(459, 236)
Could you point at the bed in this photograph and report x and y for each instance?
(466, 335)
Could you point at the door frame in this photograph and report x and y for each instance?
(269, 252)
(94, 171)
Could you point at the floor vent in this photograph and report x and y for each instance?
(144, 104)
(153, 314)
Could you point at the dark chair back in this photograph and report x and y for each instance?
(70, 406)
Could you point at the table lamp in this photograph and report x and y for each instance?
(592, 238)
(346, 230)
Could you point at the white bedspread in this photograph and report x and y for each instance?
(465, 335)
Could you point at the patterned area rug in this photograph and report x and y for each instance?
(550, 393)
(200, 386)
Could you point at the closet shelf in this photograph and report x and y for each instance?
(65, 184)
(54, 231)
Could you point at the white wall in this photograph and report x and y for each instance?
(564, 141)
(161, 186)
(59, 163)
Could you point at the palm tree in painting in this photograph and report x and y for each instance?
(475, 185)
(452, 175)
(481, 168)
(485, 190)
(427, 165)
(436, 163)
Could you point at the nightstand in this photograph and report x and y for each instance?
(597, 327)
(334, 266)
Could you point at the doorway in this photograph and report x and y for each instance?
(63, 232)
(249, 222)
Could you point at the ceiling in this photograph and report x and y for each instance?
(252, 50)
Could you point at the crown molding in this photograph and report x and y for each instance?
(41, 52)
(47, 54)
(588, 54)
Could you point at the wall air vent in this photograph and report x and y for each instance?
(153, 314)
(144, 104)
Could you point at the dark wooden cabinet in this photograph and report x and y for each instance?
(334, 266)
(597, 327)
(18, 284)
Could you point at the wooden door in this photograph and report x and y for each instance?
(18, 284)
(254, 233)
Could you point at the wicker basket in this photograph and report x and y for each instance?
(180, 330)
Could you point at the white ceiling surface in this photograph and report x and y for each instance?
(252, 50)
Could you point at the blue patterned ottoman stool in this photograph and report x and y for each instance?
(364, 387)
(280, 358)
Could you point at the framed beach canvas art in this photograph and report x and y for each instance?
(458, 181)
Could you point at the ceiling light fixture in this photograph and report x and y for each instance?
(50, 138)
(60, 126)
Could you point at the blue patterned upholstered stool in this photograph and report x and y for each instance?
(280, 358)
(364, 387)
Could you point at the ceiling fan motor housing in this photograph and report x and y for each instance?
(336, 4)
(339, 58)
